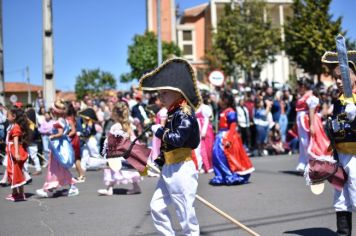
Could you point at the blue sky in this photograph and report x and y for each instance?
(89, 34)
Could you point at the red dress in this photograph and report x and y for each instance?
(75, 140)
(14, 167)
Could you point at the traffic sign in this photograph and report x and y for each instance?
(13, 98)
(216, 78)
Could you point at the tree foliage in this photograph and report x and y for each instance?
(142, 55)
(93, 82)
(310, 32)
(244, 39)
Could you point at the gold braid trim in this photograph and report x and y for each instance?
(325, 59)
(186, 109)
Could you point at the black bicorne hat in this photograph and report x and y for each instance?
(173, 74)
(331, 58)
(88, 113)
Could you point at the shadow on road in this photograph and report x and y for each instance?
(312, 232)
(120, 191)
(292, 172)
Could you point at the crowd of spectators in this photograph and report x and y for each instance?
(265, 114)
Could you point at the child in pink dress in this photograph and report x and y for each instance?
(161, 118)
(205, 148)
(123, 174)
(58, 173)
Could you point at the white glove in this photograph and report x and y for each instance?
(350, 111)
(154, 128)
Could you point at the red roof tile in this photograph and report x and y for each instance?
(195, 11)
(20, 87)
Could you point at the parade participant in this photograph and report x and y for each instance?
(160, 118)
(177, 185)
(313, 141)
(90, 150)
(75, 141)
(205, 148)
(123, 174)
(17, 141)
(35, 137)
(344, 136)
(230, 161)
(62, 156)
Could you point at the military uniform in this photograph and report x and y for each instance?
(178, 182)
(343, 132)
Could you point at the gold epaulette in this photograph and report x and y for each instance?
(186, 109)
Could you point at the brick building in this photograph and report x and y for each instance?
(192, 31)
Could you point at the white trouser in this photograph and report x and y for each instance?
(90, 155)
(33, 151)
(346, 199)
(177, 185)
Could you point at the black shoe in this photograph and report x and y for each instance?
(344, 223)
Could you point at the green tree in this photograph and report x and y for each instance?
(310, 32)
(142, 55)
(93, 82)
(245, 39)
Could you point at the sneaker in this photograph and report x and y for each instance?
(265, 152)
(73, 192)
(105, 192)
(10, 197)
(42, 193)
(300, 167)
(16, 198)
(4, 183)
(80, 179)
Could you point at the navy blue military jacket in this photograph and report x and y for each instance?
(181, 130)
(343, 129)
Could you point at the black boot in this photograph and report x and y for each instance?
(344, 223)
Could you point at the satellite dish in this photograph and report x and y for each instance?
(13, 98)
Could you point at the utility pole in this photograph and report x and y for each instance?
(47, 54)
(159, 39)
(29, 99)
(2, 83)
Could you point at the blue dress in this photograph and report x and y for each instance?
(61, 147)
(223, 173)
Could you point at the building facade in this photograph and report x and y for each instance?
(194, 29)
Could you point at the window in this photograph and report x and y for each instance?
(187, 35)
(188, 49)
(186, 39)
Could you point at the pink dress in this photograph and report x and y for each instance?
(124, 175)
(205, 148)
(57, 175)
(310, 146)
(156, 142)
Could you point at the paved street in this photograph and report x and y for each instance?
(276, 202)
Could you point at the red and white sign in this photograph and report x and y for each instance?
(216, 78)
